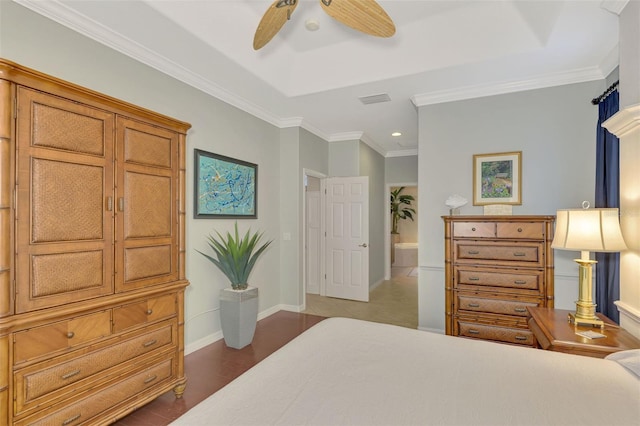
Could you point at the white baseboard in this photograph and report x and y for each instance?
(431, 330)
(376, 284)
(214, 337)
(201, 343)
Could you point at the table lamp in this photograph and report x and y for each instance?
(587, 230)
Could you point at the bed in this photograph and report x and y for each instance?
(351, 372)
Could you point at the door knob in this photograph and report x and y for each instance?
(363, 245)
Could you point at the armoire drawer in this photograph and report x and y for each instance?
(100, 400)
(530, 254)
(55, 378)
(521, 281)
(46, 339)
(520, 230)
(471, 303)
(500, 334)
(140, 313)
(474, 230)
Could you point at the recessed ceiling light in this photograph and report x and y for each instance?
(396, 134)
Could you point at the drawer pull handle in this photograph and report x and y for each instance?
(474, 305)
(519, 229)
(474, 279)
(70, 374)
(520, 309)
(71, 420)
(149, 311)
(474, 332)
(149, 343)
(473, 229)
(521, 338)
(70, 335)
(150, 379)
(520, 282)
(474, 252)
(519, 254)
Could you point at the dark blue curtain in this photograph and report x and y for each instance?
(607, 195)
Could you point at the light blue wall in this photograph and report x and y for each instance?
(372, 165)
(36, 42)
(555, 130)
(344, 158)
(314, 152)
(401, 169)
(290, 219)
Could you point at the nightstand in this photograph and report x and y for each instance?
(554, 332)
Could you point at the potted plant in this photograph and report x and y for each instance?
(236, 256)
(400, 208)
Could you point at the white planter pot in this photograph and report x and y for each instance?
(238, 316)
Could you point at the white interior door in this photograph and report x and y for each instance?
(312, 241)
(347, 239)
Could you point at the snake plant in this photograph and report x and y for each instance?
(235, 256)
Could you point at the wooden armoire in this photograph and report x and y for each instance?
(92, 253)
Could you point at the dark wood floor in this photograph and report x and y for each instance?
(214, 366)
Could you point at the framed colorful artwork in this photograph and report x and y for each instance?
(497, 178)
(224, 187)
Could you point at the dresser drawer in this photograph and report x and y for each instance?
(494, 306)
(474, 230)
(140, 313)
(507, 280)
(526, 254)
(54, 379)
(53, 337)
(500, 334)
(92, 405)
(520, 230)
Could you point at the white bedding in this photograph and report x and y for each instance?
(351, 372)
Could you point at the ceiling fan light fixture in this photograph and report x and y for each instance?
(366, 16)
(312, 24)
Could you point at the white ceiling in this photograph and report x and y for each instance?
(443, 50)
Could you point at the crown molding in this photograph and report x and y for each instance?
(402, 153)
(373, 144)
(62, 14)
(285, 123)
(614, 6)
(479, 91)
(359, 136)
(624, 122)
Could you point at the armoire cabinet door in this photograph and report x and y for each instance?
(147, 205)
(64, 229)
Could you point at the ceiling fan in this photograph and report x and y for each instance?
(366, 16)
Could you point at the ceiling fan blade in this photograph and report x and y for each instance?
(272, 20)
(366, 16)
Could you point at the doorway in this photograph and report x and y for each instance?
(336, 236)
(401, 249)
(394, 301)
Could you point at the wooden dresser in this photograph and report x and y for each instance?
(92, 215)
(496, 267)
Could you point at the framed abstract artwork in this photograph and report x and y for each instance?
(497, 178)
(224, 187)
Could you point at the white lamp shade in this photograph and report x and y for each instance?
(588, 230)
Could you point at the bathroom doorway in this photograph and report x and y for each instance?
(402, 246)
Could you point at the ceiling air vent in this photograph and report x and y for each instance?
(374, 99)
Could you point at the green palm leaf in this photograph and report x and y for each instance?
(235, 256)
